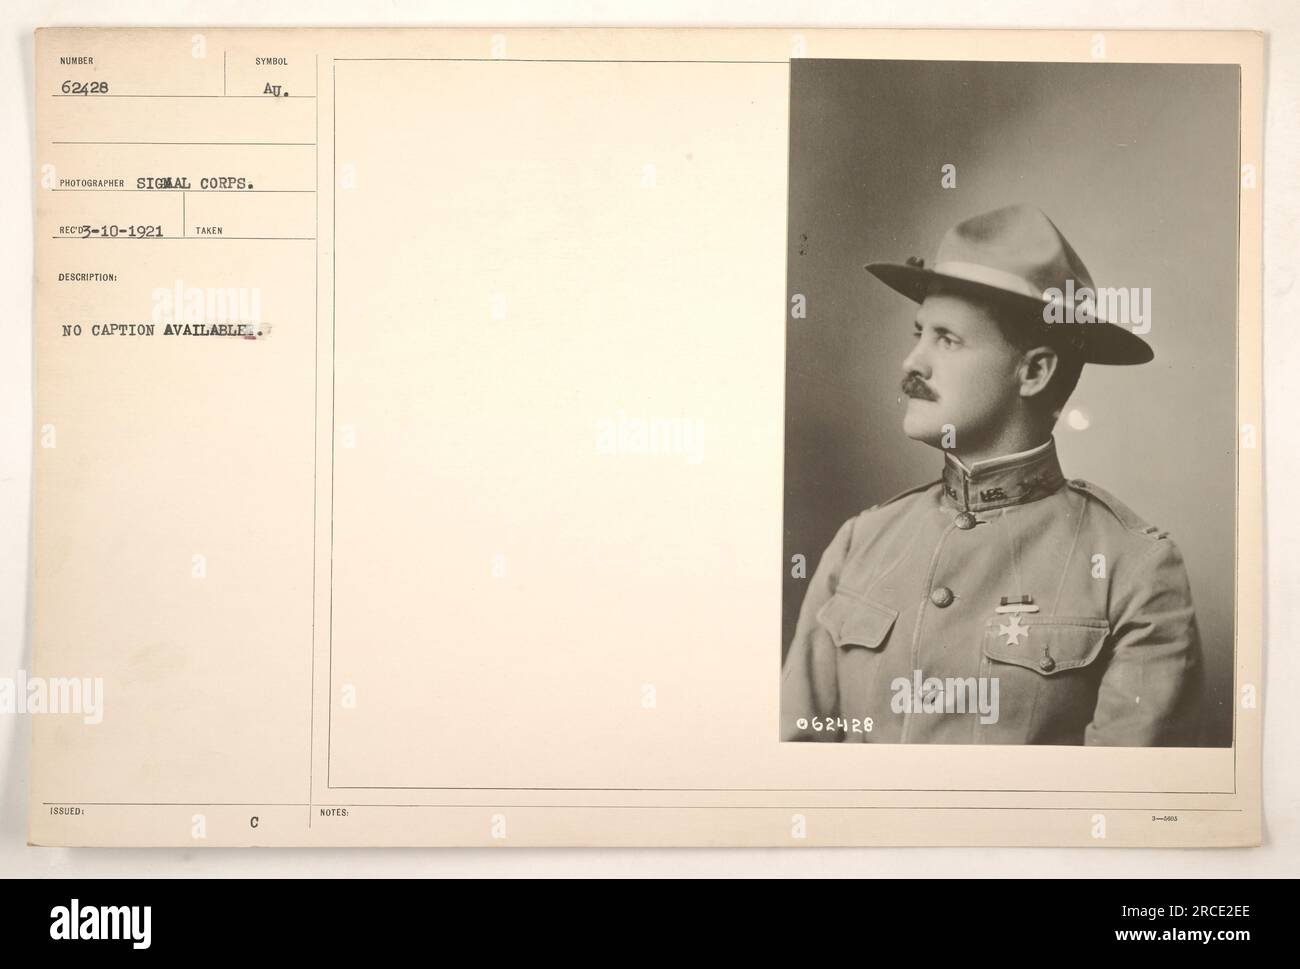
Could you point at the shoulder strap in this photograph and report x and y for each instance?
(904, 494)
(1127, 517)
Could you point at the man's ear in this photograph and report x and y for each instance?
(1037, 368)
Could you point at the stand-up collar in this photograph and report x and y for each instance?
(1012, 479)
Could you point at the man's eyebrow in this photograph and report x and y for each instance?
(937, 327)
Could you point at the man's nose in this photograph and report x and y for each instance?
(917, 361)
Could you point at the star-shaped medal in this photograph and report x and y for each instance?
(1013, 631)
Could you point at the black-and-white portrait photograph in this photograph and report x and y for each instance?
(1011, 430)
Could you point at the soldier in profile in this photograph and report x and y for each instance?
(1002, 603)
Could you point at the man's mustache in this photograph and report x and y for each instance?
(914, 386)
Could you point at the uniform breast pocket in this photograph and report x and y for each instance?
(1048, 670)
(854, 620)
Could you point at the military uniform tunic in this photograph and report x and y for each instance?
(1004, 572)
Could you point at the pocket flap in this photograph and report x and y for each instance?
(1047, 646)
(854, 621)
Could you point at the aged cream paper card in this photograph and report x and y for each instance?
(410, 452)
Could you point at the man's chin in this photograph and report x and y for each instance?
(921, 423)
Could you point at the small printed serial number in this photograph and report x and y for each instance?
(819, 724)
(119, 231)
(84, 87)
(1164, 817)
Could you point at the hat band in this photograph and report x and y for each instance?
(997, 278)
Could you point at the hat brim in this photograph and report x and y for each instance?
(1100, 341)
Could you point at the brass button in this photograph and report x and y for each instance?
(965, 521)
(942, 596)
(1047, 664)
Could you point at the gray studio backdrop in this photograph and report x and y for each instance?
(1138, 166)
